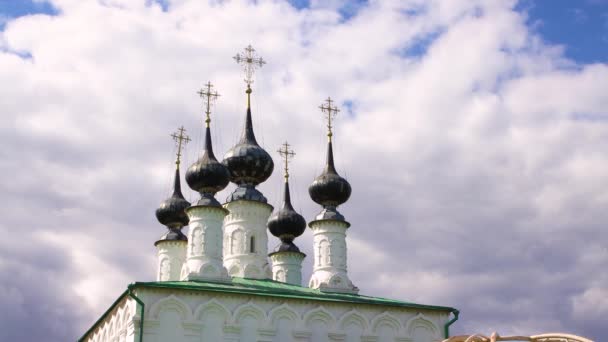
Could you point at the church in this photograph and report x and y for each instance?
(218, 281)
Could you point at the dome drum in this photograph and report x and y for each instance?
(286, 247)
(173, 234)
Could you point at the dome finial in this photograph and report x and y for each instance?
(330, 189)
(250, 61)
(208, 96)
(286, 154)
(330, 112)
(207, 175)
(181, 139)
(248, 163)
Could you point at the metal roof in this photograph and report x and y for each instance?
(271, 288)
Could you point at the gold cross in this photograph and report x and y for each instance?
(181, 139)
(250, 62)
(330, 112)
(287, 154)
(209, 97)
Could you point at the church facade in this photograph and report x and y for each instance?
(220, 283)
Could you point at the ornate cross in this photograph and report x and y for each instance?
(330, 112)
(250, 61)
(287, 154)
(208, 97)
(181, 139)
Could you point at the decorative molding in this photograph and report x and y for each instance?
(171, 302)
(220, 316)
(250, 309)
(421, 320)
(212, 305)
(350, 317)
(385, 318)
(282, 311)
(320, 313)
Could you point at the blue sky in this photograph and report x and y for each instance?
(580, 26)
(17, 8)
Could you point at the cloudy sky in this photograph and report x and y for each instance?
(474, 134)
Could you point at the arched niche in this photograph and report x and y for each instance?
(118, 320)
(250, 318)
(237, 241)
(249, 310)
(421, 329)
(354, 325)
(164, 269)
(126, 315)
(172, 303)
(111, 332)
(319, 322)
(386, 327)
(282, 311)
(214, 317)
(283, 320)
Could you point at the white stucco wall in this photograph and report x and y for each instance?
(182, 316)
(287, 267)
(246, 239)
(118, 326)
(205, 249)
(330, 257)
(171, 255)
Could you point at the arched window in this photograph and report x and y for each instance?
(252, 244)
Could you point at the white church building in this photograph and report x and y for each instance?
(220, 283)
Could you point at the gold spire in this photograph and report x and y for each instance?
(250, 61)
(330, 112)
(286, 154)
(181, 139)
(208, 97)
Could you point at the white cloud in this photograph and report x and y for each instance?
(477, 163)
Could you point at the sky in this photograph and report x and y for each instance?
(473, 133)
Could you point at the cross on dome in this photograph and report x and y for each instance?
(286, 154)
(208, 96)
(330, 112)
(250, 61)
(181, 139)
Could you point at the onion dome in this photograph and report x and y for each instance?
(329, 189)
(171, 212)
(286, 224)
(207, 175)
(248, 163)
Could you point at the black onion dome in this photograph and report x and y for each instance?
(171, 212)
(248, 163)
(207, 175)
(330, 189)
(286, 223)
